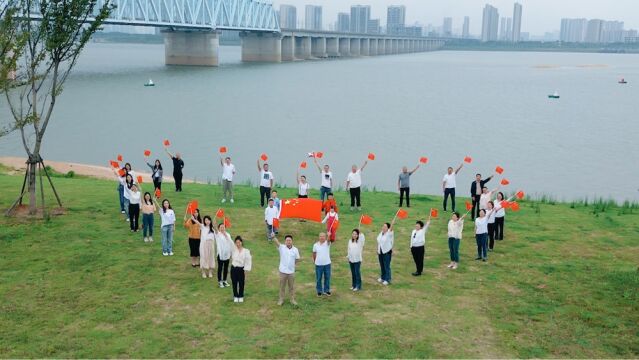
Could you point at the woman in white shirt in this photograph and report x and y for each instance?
(385, 241)
(481, 234)
(455, 229)
(167, 228)
(354, 256)
(241, 262)
(224, 246)
(207, 246)
(302, 186)
(418, 245)
(132, 197)
(500, 216)
(491, 225)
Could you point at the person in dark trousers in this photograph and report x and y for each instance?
(475, 193)
(403, 185)
(266, 182)
(156, 174)
(449, 183)
(499, 217)
(418, 245)
(354, 185)
(178, 165)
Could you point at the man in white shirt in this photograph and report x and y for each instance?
(266, 182)
(270, 213)
(289, 257)
(418, 245)
(327, 179)
(354, 184)
(322, 260)
(448, 185)
(228, 171)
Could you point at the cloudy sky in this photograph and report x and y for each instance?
(539, 16)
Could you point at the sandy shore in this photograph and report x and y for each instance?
(100, 172)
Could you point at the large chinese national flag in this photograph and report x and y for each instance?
(309, 209)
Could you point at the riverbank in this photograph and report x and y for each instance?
(563, 283)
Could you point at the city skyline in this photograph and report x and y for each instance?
(540, 16)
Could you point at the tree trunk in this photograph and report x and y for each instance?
(31, 182)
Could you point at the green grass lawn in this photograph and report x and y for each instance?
(564, 283)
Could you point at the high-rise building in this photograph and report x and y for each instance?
(360, 15)
(612, 32)
(374, 27)
(516, 34)
(313, 17)
(573, 30)
(288, 17)
(505, 29)
(447, 28)
(415, 30)
(490, 24)
(466, 28)
(395, 19)
(594, 30)
(343, 22)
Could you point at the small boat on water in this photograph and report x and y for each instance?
(554, 96)
(623, 81)
(150, 83)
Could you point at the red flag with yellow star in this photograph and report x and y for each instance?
(309, 209)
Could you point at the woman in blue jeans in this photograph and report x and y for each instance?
(148, 208)
(481, 234)
(355, 250)
(168, 227)
(385, 241)
(455, 229)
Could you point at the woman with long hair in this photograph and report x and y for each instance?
(168, 227)
(354, 255)
(192, 224)
(241, 263)
(148, 208)
(207, 246)
(156, 173)
(455, 229)
(126, 170)
(385, 242)
(224, 247)
(500, 216)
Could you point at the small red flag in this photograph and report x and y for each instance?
(504, 204)
(505, 182)
(223, 150)
(402, 214)
(423, 160)
(469, 206)
(114, 164)
(227, 223)
(192, 206)
(520, 194)
(158, 193)
(120, 158)
(121, 172)
(147, 152)
(366, 220)
(434, 213)
(303, 165)
(499, 170)
(514, 206)
(139, 179)
(468, 159)
(319, 154)
(167, 143)
(219, 213)
(371, 156)
(264, 157)
(276, 223)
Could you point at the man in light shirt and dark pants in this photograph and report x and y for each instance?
(475, 193)
(418, 245)
(354, 185)
(266, 182)
(322, 260)
(327, 179)
(403, 185)
(289, 257)
(449, 183)
(228, 171)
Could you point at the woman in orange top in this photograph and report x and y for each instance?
(194, 236)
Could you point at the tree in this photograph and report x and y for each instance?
(54, 36)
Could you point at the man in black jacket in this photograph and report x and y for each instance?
(475, 193)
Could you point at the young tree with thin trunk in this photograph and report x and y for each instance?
(54, 36)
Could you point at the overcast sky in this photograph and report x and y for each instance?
(539, 16)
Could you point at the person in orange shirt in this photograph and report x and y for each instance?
(194, 230)
(329, 203)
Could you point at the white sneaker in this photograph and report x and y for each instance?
(146, 239)
(450, 265)
(379, 280)
(221, 285)
(127, 219)
(124, 212)
(150, 239)
(454, 267)
(385, 283)
(355, 289)
(223, 201)
(203, 276)
(352, 288)
(241, 300)
(359, 209)
(171, 253)
(211, 275)
(232, 201)
(226, 284)
(165, 254)
(236, 299)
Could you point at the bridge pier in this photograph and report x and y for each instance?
(345, 47)
(288, 48)
(332, 47)
(364, 47)
(200, 48)
(318, 47)
(381, 47)
(355, 47)
(372, 47)
(261, 47)
(303, 47)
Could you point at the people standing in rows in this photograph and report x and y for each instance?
(322, 260)
(476, 189)
(134, 196)
(128, 183)
(481, 235)
(449, 183)
(289, 257)
(385, 242)
(455, 229)
(327, 179)
(124, 207)
(491, 225)
(241, 262)
(224, 246)
(266, 182)
(354, 254)
(500, 216)
(228, 172)
(354, 185)
(178, 165)
(331, 220)
(302, 186)
(485, 197)
(418, 245)
(207, 246)
(124, 182)
(167, 217)
(270, 213)
(403, 185)
(148, 209)
(156, 172)
(193, 224)
(329, 203)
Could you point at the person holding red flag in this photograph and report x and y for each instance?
(355, 251)
(385, 241)
(156, 172)
(481, 234)
(329, 203)
(449, 183)
(499, 217)
(167, 215)
(224, 245)
(476, 189)
(270, 213)
(302, 186)
(403, 185)
(193, 223)
(331, 220)
(178, 165)
(266, 182)
(228, 172)
(455, 229)
(354, 185)
(418, 245)
(322, 260)
(327, 179)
